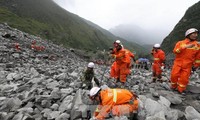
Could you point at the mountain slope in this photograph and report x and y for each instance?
(134, 46)
(60, 25)
(48, 20)
(190, 19)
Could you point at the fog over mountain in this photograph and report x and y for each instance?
(138, 34)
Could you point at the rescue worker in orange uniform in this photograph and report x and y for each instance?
(17, 47)
(117, 101)
(185, 53)
(129, 55)
(197, 59)
(113, 68)
(158, 64)
(119, 54)
(36, 47)
(33, 44)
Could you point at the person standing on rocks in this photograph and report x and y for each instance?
(185, 53)
(121, 65)
(17, 47)
(33, 44)
(158, 64)
(113, 68)
(89, 77)
(116, 101)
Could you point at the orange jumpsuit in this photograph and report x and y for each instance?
(17, 46)
(128, 57)
(197, 59)
(119, 101)
(183, 62)
(159, 58)
(36, 47)
(113, 70)
(121, 64)
(33, 44)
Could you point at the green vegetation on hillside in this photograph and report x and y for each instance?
(27, 24)
(46, 19)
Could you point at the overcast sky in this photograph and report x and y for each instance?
(147, 14)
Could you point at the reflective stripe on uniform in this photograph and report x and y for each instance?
(194, 48)
(181, 85)
(197, 61)
(178, 51)
(114, 95)
(97, 109)
(173, 83)
(156, 58)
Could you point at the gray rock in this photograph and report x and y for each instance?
(26, 110)
(79, 109)
(54, 107)
(191, 113)
(164, 101)
(172, 115)
(53, 115)
(172, 97)
(158, 116)
(11, 104)
(66, 104)
(152, 107)
(193, 88)
(63, 116)
(52, 85)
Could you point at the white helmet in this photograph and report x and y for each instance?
(94, 91)
(156, 45)
(189, 31)
(90, 65)
(117, 41)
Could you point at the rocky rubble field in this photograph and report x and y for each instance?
(46, 85)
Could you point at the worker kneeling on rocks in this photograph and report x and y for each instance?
(117, 102)
(89, 77)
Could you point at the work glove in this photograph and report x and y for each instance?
(84, 85)
(162, 67)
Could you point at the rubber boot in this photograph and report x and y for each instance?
(133, 116)
(154, 80)
(160, 78)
